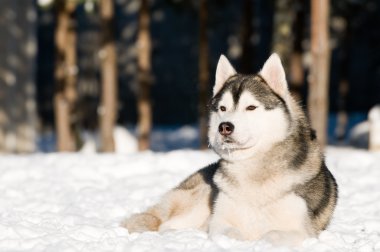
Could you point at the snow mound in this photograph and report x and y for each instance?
(125, 142)
(75, 202)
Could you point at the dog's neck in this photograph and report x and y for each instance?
(246, 167)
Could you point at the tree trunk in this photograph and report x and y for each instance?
(344, 35)
(287, 41)
(108, 110)
(203, 73)
(319, 70)
(144, 48)
(296, 73)
(18, 117)
(65, 74)
(282, 31)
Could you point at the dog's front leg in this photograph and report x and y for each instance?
(186, 206)
(218, 229)
(219, 225)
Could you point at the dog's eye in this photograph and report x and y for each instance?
(251, 107)
(222, 108)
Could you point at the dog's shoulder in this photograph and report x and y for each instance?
(202, 176)
(320, 194)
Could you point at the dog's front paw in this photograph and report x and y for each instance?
(233, 233)
(141, 222)
(229, 232)
(227, 239)
(284, 238)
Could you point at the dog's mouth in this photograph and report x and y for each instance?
(231, 144)
(228, 140)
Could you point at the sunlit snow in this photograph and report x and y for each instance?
(75, 202)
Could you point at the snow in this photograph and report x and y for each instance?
(75, 202)
(125, 142)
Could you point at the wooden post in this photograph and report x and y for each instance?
(108, 109)
(144, 48)
(203, 74)
(65, 74)
(319, 70)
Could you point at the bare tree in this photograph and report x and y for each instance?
(108, 110)
(65, 74)
(287, 40)
(18, 117)
(144, 48)
(282, 30)
(203, 73)
(296, 73)
(345, 32)
(319, 70)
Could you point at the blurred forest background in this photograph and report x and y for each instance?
(71, 70)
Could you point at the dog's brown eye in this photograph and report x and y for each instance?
(251, 107)
(222, 108)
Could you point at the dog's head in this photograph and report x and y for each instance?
(248, 113)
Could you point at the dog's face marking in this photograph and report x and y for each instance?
(258, 114)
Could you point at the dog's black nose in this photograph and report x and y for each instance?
(226, 128)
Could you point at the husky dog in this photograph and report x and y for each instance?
(271, 182)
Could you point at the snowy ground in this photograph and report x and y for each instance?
(75, 202)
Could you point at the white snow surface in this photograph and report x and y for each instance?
(75, 202)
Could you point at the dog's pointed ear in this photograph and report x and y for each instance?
(274, 74)
(224, 70)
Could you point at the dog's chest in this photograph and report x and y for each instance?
(253, 221)
(255, 209)
(254, 190)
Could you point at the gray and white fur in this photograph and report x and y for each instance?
(271, 182)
